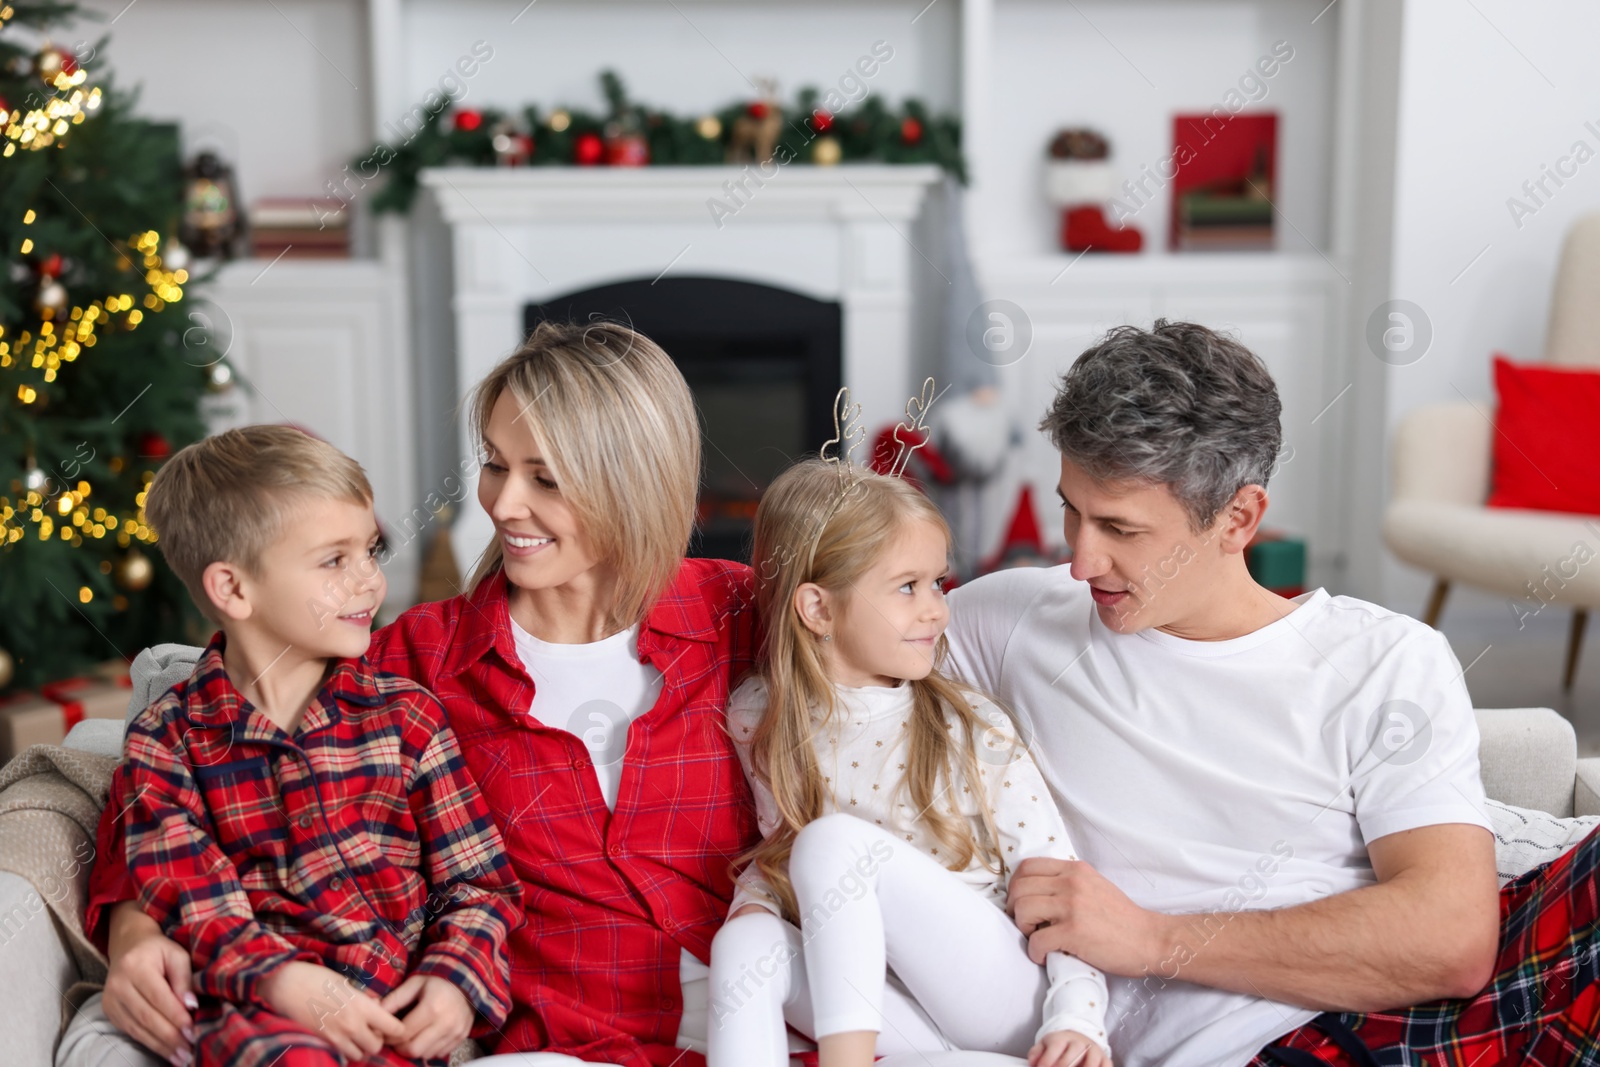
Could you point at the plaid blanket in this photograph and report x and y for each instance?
(1541, 1009)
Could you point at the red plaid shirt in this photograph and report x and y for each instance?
(611, 897)
(357, 842)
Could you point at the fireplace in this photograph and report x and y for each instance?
(568, 239)
(763, 364)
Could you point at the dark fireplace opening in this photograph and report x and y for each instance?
(763, 364)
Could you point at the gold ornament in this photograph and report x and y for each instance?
(560, 119)
(709, 127)
(826, 152)
(8, 668)
(220, 378)
(134, 570)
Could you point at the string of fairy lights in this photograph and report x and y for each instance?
(57, 508)
(34, 128)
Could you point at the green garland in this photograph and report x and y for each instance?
(869, 132)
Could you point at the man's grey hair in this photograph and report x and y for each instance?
(1178, 405)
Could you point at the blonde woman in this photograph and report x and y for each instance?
(893, 803)
(585, 671)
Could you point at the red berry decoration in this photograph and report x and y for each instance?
(468, 120)
(153, 446)
(757, 110)
(821, 121)
(911, 131)
(587, 149)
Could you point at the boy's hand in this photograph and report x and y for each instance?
(358, 1026)
(438, 1022)
(1067, 1048)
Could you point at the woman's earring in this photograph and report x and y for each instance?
(827, 637)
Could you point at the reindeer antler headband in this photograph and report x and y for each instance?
(909, 435)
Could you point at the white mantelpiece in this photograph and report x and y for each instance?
(528, 235)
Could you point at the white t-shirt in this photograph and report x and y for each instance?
(595, 691)
(1223, 775)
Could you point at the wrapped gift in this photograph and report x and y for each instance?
(27, 719)
(89, 697)
(1278, 562)
(114, 671)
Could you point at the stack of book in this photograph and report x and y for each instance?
(1208, 222)
(300, 228)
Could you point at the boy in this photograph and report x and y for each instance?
(303, 826)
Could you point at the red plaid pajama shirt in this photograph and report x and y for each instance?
(611, 897)
(1541, 1009)
(358, 843)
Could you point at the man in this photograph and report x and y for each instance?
(1277, 801)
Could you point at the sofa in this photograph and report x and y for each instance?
(1528, 758)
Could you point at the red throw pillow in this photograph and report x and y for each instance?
(1547, 438)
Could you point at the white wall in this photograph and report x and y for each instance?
(280, 88)
(687, 56)
(1485, 100)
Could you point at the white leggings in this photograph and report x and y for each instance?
(868, 901)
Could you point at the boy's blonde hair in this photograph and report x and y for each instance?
(226, 498)
(810, 529)
(616, 423)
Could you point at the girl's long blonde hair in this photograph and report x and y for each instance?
(812, 527)
(616, 423)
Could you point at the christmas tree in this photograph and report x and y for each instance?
(101, 369)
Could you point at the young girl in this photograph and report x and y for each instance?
(894, 804)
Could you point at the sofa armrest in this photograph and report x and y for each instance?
(1442, 452)
(35, 971)
(1586, 789)
(1527, 757)
(103, 737)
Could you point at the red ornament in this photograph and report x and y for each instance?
(468, 120)
(821, 121)
(627, 150)
(911, 130)
(757, 110)
(69, 63)
(51, 267)
(153, 446)
(587, 149)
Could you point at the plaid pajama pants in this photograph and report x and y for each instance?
(230, 1035)
(1541, 1009)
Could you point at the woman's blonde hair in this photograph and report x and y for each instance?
(813, 527)
(230, 496)
(616, 424)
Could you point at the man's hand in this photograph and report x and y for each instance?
(1067, 1048)
(438, 1022)
(358, 1027)
(1068, 906)
(147, 994)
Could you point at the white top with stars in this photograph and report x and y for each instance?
(862, 756)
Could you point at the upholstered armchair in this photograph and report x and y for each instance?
(1436, 520)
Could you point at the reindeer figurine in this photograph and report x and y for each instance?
(755, 133)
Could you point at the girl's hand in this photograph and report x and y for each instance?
(1067, 1048)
